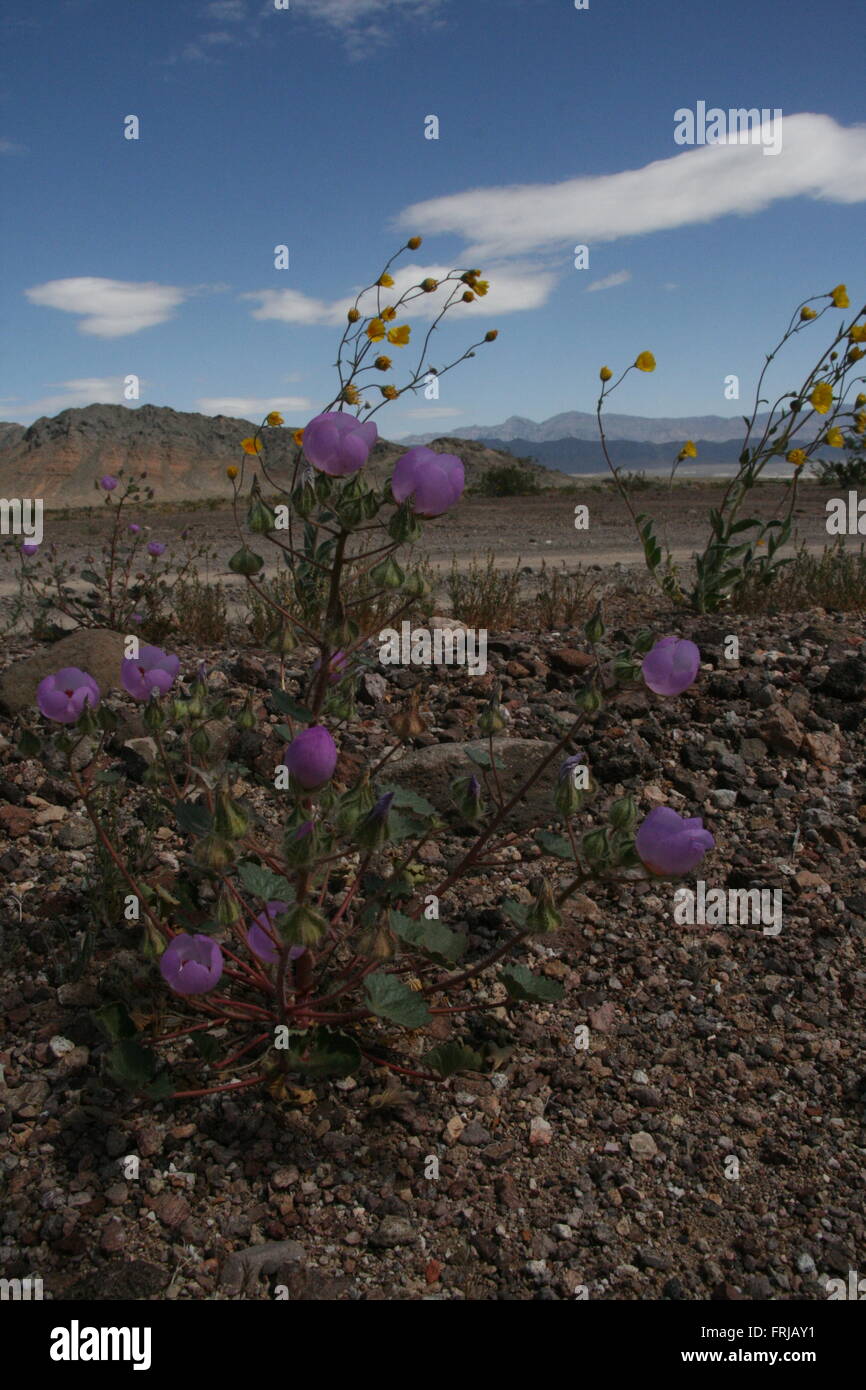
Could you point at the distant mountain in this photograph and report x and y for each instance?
(585, 456)
(580, 425)
(183, 454)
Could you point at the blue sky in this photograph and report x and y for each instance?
(305, 126)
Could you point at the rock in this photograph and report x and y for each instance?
(393, 1230)
(430, 771)
(372, 688)
(642, 1145)
(781, 731)
(113, 1237)
(603, 1018)
(99, 651)
(540, 1131)
(724, 798)
(845, 680)
(76, 834)
(60, 1045)
(570, 662)
(16, 820)
(475, 1134)
(172, 1209)
(245, 1267)
(823, 749)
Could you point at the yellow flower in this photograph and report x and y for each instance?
(389, 314)
(857, 333)
(399, 336)
(839, 295)
(797, 457)
(822, 397)
(860, 422)
(350, 395)
(861, 400)
(275, 418)
(491, 335)
(807, 313)
(353, 315)
(688, 451)
(382, 364)
(429, 285)
(835, 438)
(645, 362)
(232, 471)
(251, 446)
(854, 354)
(605, 374)
(389, 392)
(375, 330)
(413, 243)
(298, 437)
(386, 281)
(481, 286)
(468, 297)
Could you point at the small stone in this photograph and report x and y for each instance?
(475, 1134)
(642, 1145)
(540, 1131)
(60, 1045)
(393, 1230)
(76, 833)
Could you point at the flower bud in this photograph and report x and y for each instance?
(466, 792)
(301, 926)
(246, 718)
(354, 804)
(301, 841)
(353, 315)
(245, 561)
(154, 716)
(595, 628)
(589, 699)
(568, 797)
(596, 849)
(388, 574)
(230, 819)
(413, 243)
(213, 852)
(377, 943)
(404, 526)
(623, 814)
(543, 915)
(372, 831)
(228, 909)
(260, 518)
(199, 743)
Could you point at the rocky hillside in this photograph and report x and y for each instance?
(183, 454)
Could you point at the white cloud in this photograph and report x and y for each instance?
(251, 407)
(363, 23)
(820, 159)
(110, 308)
(513, 288)
(608, 282)
(433, 412)
(80, 391)
(226, 11)
(12, 147)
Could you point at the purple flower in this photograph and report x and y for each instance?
(671, 666)
(134, 528)
(62, 697)
(566, 768)
(434, 481)
(382, 807)
(474, 787)
(153, 671)
(260, 937)
(108, 483)
(155, 548)
(337, 666)
(191, 964)
(29, 548)
(338, 444)
(670, 844)
(311, 757)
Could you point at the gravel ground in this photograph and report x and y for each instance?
(567, 1172)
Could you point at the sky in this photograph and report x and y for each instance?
(306, 127)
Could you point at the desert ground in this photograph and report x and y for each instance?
(710, 1143)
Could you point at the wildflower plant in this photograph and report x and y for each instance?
(308, 949)
(743, 551)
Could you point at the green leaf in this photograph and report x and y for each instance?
(193, 817)
(206, 1046)
(285, 704)
(108, 778)
(451, 1057)
(260, 882)
(745, 525)
(481, 758)
(322, 1052)
(131, 1064)
(522, 984)
(389, 998)
(432, 936)
(115, 1021)
(515, 911)
(402, 827)
(407, 800)
(91, 576)
(554, 844)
